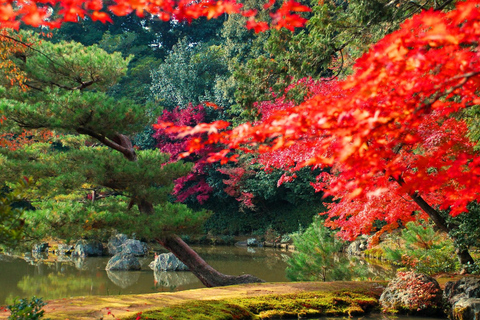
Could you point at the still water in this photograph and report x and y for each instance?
(54, 279)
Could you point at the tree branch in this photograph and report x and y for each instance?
(439, 93)
(428, 209)
(443, 5)
(121, 145)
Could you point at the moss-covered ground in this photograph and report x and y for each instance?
(251, 301)
(293, 306)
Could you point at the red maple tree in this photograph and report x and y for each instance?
(53, 13)
(390, 132)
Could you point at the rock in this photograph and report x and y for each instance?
(466, 309)
(412, 293)
(135, 247)
(123, 261)
(251, 242)
(115, 243)
(64, 249)
(120, 242)
(167, 262)
(357, 247)
(462, 298)
(40, 247)
(91, 248)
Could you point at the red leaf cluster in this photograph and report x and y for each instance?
(40, 12)
(391, 129)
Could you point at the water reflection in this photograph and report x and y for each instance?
(61, 277)
(123, 279)
(173, 279)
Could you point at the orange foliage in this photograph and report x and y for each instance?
(27, 137)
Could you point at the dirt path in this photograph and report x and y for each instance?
(113, 307)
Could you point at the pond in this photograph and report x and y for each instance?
(51, 278)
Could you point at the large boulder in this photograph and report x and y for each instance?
(91, 248)
(115, 244)
(167, 262)
(135, 247)
(412, 293)
(462, 298)
(121, 243)
(123, 261)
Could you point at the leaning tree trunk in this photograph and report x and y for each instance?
(202, 270)
(463, 255)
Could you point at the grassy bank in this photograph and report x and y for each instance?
(251, 301)
(300, 305)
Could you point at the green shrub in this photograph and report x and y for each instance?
(317, 256)
(423, 250)
(27, 310)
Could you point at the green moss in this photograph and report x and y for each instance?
(305, 304)
(198, 310)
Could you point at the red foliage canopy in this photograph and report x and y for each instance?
(389, 131)
(53, 13)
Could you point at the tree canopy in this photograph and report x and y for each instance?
(392, 129)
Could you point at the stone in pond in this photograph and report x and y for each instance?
(167, 262)
(135, 247)
(123, 261)
(115, 244)
(91, 248)
(252, 242)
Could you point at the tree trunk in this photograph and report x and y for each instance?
(202, 270)
(463, 255)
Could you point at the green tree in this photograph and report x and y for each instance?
(67, 84)
(11, 213)
(317, 256)
(423, 249)
(188, 75)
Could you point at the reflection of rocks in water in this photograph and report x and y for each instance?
(6, 258)
(64, 258)
(40, 255)
(173, 279)
(34, 258)
(123, 279)
(251, 250)
(364, 269)
(88, 263)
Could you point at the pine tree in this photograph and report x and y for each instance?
(65, 92)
